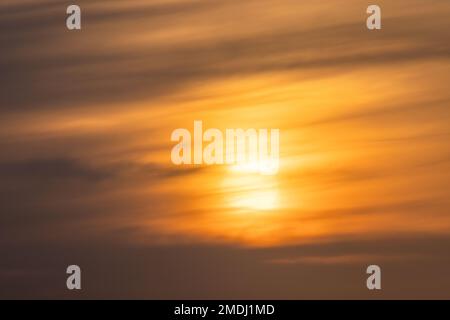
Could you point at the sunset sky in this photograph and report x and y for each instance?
(86, 176)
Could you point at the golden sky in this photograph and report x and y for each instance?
(85, 126)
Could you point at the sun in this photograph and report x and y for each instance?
(260, 200)
(247, 188)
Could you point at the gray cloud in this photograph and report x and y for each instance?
(46, 65)
(224, 272)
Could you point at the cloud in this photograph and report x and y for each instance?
(223, 272)
(46, 65)
(50, 169)
(86, 179)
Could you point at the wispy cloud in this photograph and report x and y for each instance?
(86, 119)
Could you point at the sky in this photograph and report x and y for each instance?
(86, 176)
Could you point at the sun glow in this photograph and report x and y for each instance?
(249, 189)
(257, 200)
(265, 166)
